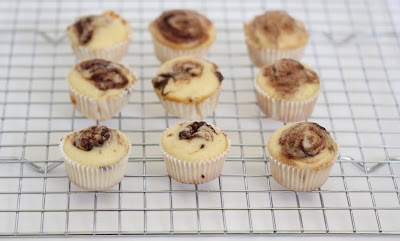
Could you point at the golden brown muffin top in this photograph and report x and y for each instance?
(288, 79)
(277, 29)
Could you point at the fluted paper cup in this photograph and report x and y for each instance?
(285, 110)
(299, 179)
(113, 53)
(192, 111)
(94, 178)
(264, 56)
(195, 172)
(165, 53)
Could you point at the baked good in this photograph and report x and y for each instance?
(188, 87)
(301, 156)
(275, 35)
(99, 88)
(181, 32)
(287, 90)
(95, 157)
(105, 36)
(194, 152)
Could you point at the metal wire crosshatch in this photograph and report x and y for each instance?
(354, 46)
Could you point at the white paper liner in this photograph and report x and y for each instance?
(113, 53)
(100, 109)
(264, 56)
(94, 178)
(285, 110)
(299, 179)
(165, 53)
(193, 111)
(195, 172)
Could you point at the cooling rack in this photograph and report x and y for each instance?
(354, 46)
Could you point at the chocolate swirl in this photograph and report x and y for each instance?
(183, 26)
(197, 130)
(272, 24)
(103, 74)
(305, 139)
(287, 75)
(86, 26)
(181, 71)
(94, 136)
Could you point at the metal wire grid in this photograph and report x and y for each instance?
(355, 48)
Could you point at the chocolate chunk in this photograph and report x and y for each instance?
(197, 130)
(219, 76)
(94, 136)
(104, 74)
(287, 75)
(305, 139)
(202, 176)
(183, 26)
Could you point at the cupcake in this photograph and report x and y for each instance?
(100, 88)
(181, 32)
(287, 90)
(188, 87)
(194, 152)
(105, 36)
(95, 157)
(273, 36)
(301, 156)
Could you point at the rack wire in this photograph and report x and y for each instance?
(354, 46)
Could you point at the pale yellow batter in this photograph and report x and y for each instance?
(109, 30)
(85, 87)
(188, 88)
(205, 143)
(307, 140)
(111, 152)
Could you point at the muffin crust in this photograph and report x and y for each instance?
(276, 29)
(99, 31)
(183, 29)
(303, 145)
(288, 79)
(96, 146)
(187, 79)
(99, 78)
(194, 141)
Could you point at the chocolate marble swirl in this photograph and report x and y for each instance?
(94, 136)
(103, 73)
(183, 26)
(87, 25)
(305, 139)
(197, 130)
(287, 75)
(272, 24)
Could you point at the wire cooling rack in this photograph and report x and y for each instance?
(354, 46)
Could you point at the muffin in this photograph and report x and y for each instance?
(105, 36)
(188, 87)
(273, 36)
(100, 88)
(194, 152)
(301, 156)
(95, 157)
(287, 90)
(181, 32)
